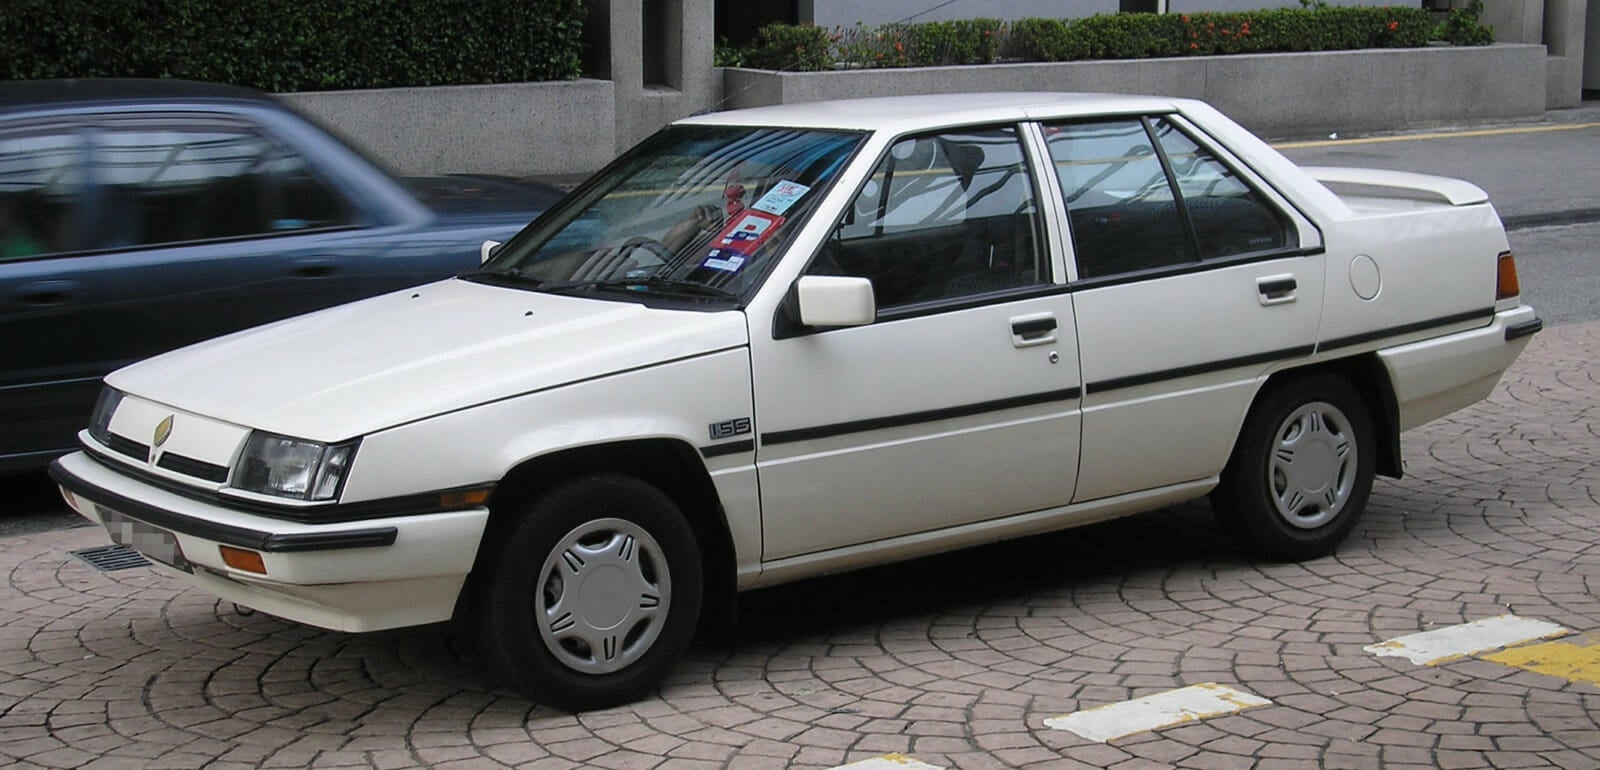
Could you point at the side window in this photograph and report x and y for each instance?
(1123, 211)
(1228, 217)
(175, 184)
(942, 217)
(41, 192)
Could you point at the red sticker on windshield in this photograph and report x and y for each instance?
(747, 230)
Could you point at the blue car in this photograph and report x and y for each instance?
(137, 216)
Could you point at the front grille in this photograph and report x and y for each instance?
(110, 558)
(189, 466)
(129, 447)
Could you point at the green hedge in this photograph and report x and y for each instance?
(806, 48)
(305, 45)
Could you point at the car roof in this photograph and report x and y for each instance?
(34, 94)
(900, 113)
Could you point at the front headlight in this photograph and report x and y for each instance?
(100, 419)
(287, 467)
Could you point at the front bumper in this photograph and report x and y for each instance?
(364, 576)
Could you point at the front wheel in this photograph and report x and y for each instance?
(1301, 471)
(592, 594)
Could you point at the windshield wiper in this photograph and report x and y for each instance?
(655, 283)
(503, 277)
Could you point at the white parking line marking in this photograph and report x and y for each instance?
(1152, 712)
(889, 762)
(1452, 642)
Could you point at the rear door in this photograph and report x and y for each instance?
(1191, 279)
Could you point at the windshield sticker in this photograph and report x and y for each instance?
(748, 231)
(726, 260)
(781, 197)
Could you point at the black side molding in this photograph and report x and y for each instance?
(1524, 329)
(912, 418)
(730, 448)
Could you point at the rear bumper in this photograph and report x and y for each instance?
(366, 576)
(1435, 377)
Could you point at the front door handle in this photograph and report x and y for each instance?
(1276, 289)
(1029, 330)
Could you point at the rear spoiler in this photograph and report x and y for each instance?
(1382, 183)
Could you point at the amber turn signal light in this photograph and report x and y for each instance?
(243, 560)
(464, 499)
(1505, 284)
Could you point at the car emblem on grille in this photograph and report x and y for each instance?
(163, 431)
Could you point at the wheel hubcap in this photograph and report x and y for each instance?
(1312, 472)
(604, 593)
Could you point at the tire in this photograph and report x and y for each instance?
(592, 593)
(1301, 471)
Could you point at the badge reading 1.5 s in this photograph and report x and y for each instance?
(729, 428)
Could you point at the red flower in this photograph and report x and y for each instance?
(1394, 25)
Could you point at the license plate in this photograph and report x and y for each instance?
(153, 542)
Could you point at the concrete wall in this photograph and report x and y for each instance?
(519, 129)
(847, 13)
(554, 129)
(1273, 94)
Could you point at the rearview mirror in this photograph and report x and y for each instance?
(835, 300)
(487, 250)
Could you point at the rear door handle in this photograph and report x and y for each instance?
(315, 268)
(1276, 289)
(53, 292)
(1029, 330)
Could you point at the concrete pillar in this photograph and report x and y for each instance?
(1564, 38)
(1515, 21)
(658, 57)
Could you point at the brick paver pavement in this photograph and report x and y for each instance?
(955, 661)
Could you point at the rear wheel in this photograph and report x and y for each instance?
(1301, 471)
(592, 595)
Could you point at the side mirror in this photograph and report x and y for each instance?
(835, 300)
(487, 250)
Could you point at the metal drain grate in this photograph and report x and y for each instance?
(110, 558)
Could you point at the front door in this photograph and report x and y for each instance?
(960, 403)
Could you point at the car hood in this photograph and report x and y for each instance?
(353, 369)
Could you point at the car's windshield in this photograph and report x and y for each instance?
(694, 212)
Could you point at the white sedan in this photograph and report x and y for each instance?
(774, 343)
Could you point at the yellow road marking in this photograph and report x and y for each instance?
(1434, 135)
(1574, 662)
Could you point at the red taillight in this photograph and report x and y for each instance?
(1505, 284)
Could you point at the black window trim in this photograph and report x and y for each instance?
(1205, 142)
(1244, 172)
(786, 325)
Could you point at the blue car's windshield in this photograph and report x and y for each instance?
(696, 211)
